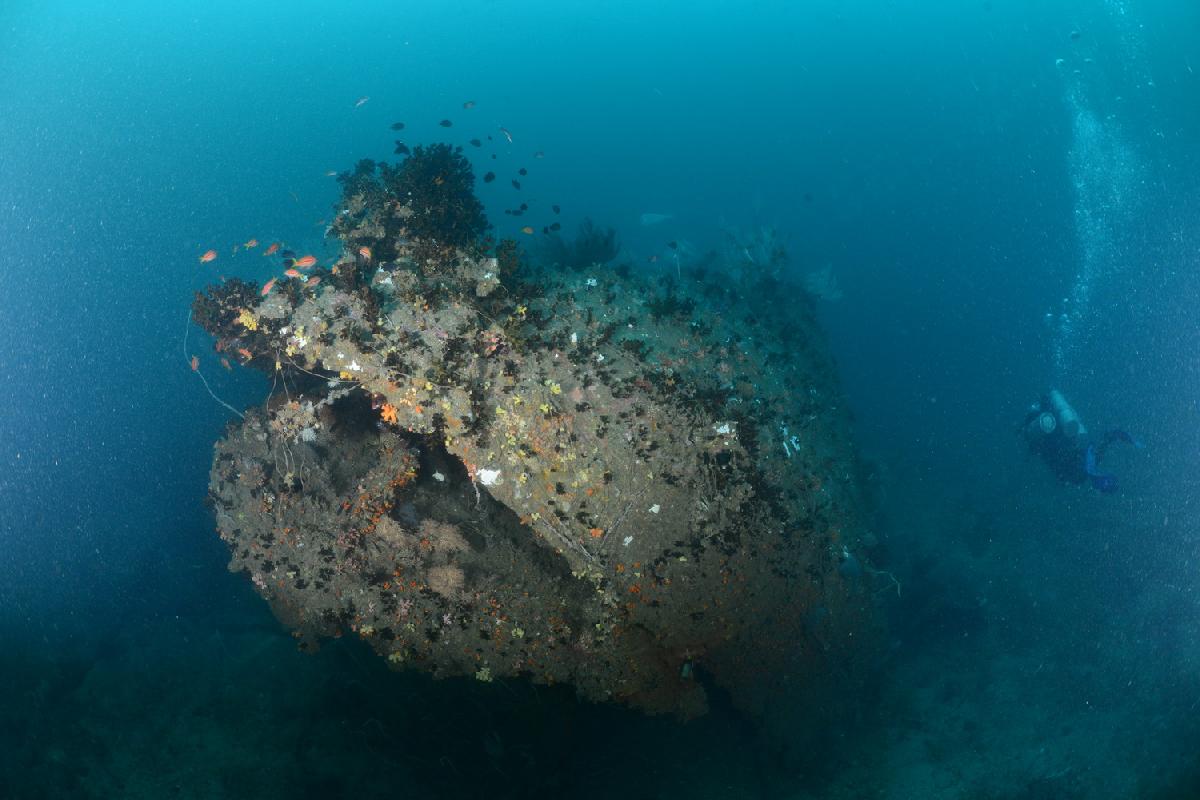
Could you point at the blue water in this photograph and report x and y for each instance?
(999, 222)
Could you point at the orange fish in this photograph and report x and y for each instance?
(272, 249)
(209, 255)
(225, 364)
(195, 363)
(304, 263)
(244, 353)
(250, 245)
(313, 281)
(268, 287)
(527, 229)
(365, 252)
(293, 273)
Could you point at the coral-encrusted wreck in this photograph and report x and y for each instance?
(490, 467)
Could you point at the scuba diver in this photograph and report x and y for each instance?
(1055, 433)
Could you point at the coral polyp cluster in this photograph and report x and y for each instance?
(486, 467)
(423, 208)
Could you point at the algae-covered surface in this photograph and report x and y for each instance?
(485, 463)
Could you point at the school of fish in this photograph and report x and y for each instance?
(293, 264)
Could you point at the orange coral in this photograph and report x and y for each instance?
(388, 413)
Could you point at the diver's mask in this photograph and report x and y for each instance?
(1042, 425)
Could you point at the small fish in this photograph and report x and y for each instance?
(209, 255)
(304, 263)
(545, 230)
(516, 184)
(556, 226)
(244, 353)
(527, 230)
(402, 149)
(397, 126)
(293, 273)
(539, 154)
(225, 364)
(507, 135)
(556, 209)
(195, 363)
(522, 171)
(365, 252)
(361, 101)
(272, 250)
(288, 254)
(476, 143)
(524, 206)
(491, 176)
(469, 105)
(313, 281)
(673, 245)
(250, 245)
(268, 286)
(331, 173)
(446, 123)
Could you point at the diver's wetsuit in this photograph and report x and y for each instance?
(1065, 455)
(1072, 459)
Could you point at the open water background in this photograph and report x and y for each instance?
(999, 222)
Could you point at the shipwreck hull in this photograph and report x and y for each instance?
(484, 467)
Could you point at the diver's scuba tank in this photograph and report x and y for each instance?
(1065, 416)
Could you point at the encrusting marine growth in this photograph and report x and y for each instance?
(487, 466)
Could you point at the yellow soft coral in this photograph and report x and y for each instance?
(388, 413)
(247, 318)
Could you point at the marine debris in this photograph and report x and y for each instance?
(488, 466)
